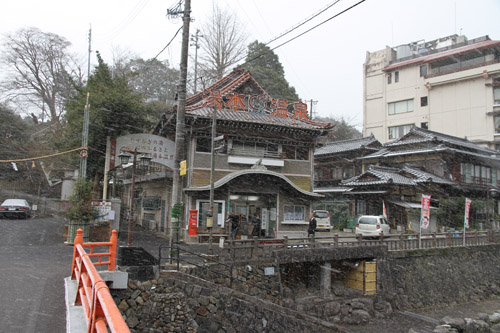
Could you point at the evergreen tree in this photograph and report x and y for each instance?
(266, 68)
(13, 142)
(342, 130)
(115, 110)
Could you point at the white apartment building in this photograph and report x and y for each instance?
(450, 85)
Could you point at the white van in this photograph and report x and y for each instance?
(322, 220)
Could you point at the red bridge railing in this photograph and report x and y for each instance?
(101, 312)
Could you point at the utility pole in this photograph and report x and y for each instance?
(86, 116)
(194, 39)
(179, 128)
(311, 103)
(212, 167)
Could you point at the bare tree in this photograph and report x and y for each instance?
(223, 44)
(40, 74)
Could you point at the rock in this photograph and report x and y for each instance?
(123, 306)
(139, 300)
(457, 323)
(135, 294)
(357, 317)
(476, 326)
(132, 321)
(202, 311)
(444, 329)
(495, 328)
(494, 318)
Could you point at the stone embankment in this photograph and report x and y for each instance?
(183, 303)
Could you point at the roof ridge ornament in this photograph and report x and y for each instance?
(258, 165)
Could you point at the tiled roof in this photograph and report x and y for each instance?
(345, 145)
(444, 54)
(420, 135)
(196, 105)
(377, 175)
(256, 118)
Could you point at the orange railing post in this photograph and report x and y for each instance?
(112, 249)
(93, 294)
(78, 240)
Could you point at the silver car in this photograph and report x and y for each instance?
(15, 208)
(372, 226)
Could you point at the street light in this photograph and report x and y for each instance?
(488, 193)
(124, 159)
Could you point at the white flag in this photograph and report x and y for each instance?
(14, 166)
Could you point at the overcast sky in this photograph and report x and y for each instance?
(324, 65)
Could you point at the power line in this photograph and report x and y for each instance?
(292, 39)
(180, 28)
(298, 25)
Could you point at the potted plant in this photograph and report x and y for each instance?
(80, 212)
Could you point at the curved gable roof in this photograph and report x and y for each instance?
(229, 177)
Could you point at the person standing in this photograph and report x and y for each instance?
(312, 226)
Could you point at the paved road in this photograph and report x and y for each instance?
(33, 264)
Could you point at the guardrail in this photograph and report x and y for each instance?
(101, 312)
(255, 248)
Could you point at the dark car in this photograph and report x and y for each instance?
(15, 208)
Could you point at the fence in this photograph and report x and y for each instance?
(101, 312)
(255, 248)
(227, 271)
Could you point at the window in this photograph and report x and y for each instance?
(401, 106)
(395, 132)
(477, 174)
(389, 78)
(203, 145)
(496, 96)
(396, 76)
(497, 123)
(295, 153)
(250, 148)
(424, 125)
(294, 213)
(423, 70)
(423, 101)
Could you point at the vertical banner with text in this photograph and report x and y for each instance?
(467, 210)
(425, 215)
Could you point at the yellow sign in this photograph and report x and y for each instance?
(183, 168)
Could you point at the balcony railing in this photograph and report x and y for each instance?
(254, 153)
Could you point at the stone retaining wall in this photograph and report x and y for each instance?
(439, 276)
(188, 304)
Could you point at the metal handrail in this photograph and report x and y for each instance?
(253, 248)
(176, 250)
(101, 312)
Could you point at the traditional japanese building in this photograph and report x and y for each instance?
(422, 162)
(263, 160)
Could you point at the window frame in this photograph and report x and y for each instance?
(410, 107)
(400, 129)
(301, 212)
(424, 101)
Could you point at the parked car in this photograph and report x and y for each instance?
(372, 226)
(322, 220)
(15, 208)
